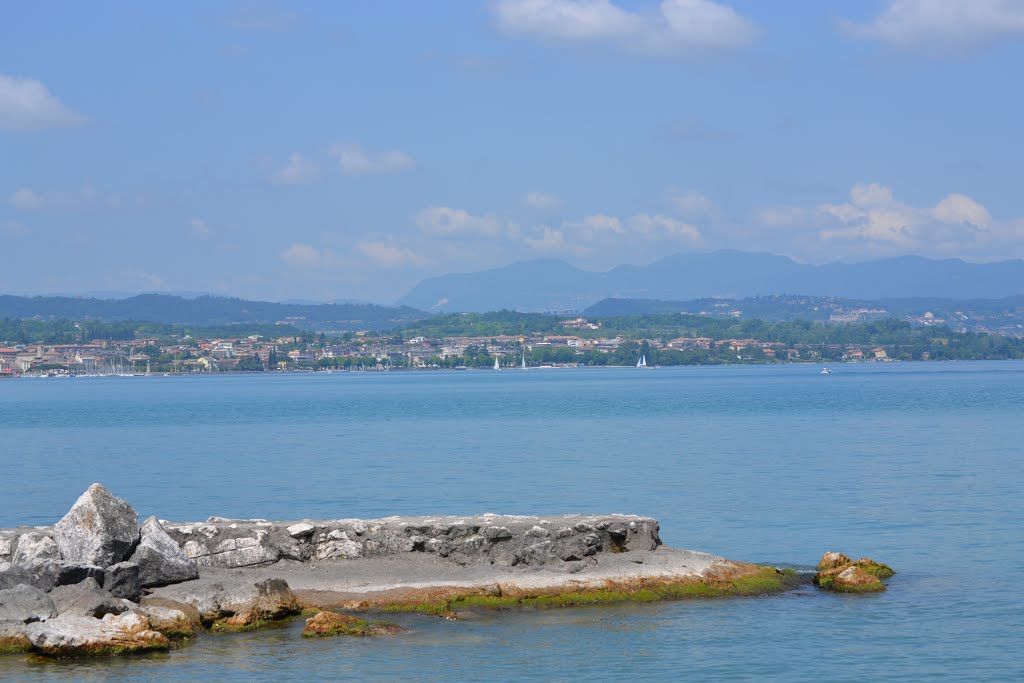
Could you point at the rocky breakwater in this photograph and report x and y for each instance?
(77, 588)
(99, 583)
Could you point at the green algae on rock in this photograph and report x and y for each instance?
(734, 579)
(839, 574)
(328, 624)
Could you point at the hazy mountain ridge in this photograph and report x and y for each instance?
(210, 310)
(551, 285)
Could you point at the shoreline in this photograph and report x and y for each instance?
(275, 373)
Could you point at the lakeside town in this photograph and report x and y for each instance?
(574, 342)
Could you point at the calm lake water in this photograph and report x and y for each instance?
(915, 464)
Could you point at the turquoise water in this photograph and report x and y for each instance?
(917, 465)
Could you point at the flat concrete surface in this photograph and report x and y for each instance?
(370, 578)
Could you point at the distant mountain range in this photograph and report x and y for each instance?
(552, 285)
(210, 310)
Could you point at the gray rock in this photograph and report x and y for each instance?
(14, 575)
(122, 580)
(13, 637)
(25, 604)
(87, 599)
(6, 546)
(72, 635)
(268, 599)
(46, 574)
(160, 559)
(234, 552)
(99, 529)
(172, 622)
(301, 530)
(35, 546)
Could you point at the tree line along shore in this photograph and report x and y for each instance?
(505, 338)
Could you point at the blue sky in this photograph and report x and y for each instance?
(326, 150)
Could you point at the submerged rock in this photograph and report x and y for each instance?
(100, 529)
(326, 624)
(72, 635)
(840, 574)
(160, 559)
(831, 560)
(25, 604)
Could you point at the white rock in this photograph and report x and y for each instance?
(300, 530)
(35, 546)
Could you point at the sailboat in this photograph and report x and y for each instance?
(496, 365)
(642, 363)
(524, 358)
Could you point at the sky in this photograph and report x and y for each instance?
(334, 151)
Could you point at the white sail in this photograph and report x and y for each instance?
(496, 366)
(642, 363)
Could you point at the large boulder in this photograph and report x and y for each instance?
(12, 575)
(87, 599)
(100, 529)
(35, 546)
(214, 600)
(25, 604)
(46, 574)
(160, 559)
(123, 580)
(72, 635)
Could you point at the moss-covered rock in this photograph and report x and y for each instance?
(852, 579)
(328, 624)
(840, 574)
(833, 560)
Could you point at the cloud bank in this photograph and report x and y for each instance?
(675, 25)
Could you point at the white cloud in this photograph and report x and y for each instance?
(675, 25)
(693, 204)
(598, 225)
(27, 199)
(664, 227)
(959, 208)
(942, 25)
(390, 255)
(444, 221)
(547, 239)
(354, 160)
(296, 171)
(542, 201)
(26, 104)
(300, 255)
(873, 221)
